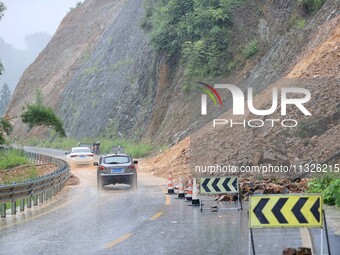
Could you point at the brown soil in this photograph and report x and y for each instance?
(72, 181)
(174, 160)
(322, 59)
(21, 173)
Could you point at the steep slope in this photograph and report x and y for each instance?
(316, 139)
(75, 38)
(112, 91)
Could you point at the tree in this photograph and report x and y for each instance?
(2, 9)
(5, 128)
(5, 95)
(35, 114)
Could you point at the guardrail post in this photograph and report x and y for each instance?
(35, 200)
(41, 198)
(29, 202)
(3, 210)
(22, 205)
(14, 207)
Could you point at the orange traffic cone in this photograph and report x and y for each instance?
(181, 193)
(195, 200)
(171, 190)
(189, 190)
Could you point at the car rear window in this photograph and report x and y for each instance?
(80, 150)
(116, 160)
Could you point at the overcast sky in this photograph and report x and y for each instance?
(24, 17)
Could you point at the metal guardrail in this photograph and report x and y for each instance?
(34, 191)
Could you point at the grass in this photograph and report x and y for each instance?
(300, 24)
(137, 150)
(12, 158)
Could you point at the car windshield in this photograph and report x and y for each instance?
(81, 150)
(116, 160)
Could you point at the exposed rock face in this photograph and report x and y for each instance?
(75, 38)
(113, 89)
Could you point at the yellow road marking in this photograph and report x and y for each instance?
(167, 197)
(118, 240)
(167, 200)
(157, 215)
(305, 239)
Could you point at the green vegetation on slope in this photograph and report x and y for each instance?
(311, 5)
(194, 31)
(250, 49)
(328, 186)
(11, 158)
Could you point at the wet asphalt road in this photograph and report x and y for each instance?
(118, 220)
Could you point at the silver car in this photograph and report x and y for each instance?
(116, 168)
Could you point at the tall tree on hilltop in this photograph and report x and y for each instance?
(5, 95)
(2, 9)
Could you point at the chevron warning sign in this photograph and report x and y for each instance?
(219, 185)
(293, 210)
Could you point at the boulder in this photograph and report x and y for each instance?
(257, 159)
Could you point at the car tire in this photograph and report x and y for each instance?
(99, 184)
(134, 182)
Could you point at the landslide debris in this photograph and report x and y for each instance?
(316, 138)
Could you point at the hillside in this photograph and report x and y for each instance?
(103, 77)
(76, 37)
(314, 140)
